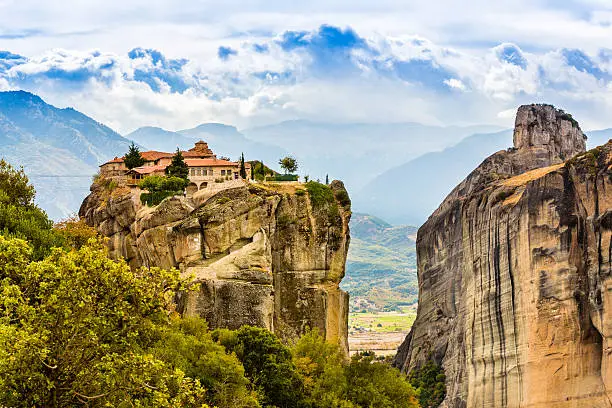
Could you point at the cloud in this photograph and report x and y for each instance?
(154, 69)
(332, 73)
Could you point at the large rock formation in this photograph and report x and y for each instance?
(263, 256)
(515, 285)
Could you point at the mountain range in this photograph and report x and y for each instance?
(397, 171)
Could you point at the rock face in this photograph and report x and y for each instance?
(263, 256)
(514, 267)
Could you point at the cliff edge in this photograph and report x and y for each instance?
(514, 268)
(265, 255)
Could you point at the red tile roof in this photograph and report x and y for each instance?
(153, 155)
(148, 169)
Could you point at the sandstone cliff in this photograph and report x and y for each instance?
(515, 285)
(266, 256)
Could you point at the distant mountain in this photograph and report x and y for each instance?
(60, 149)
(357, 153)
(381, 264)
(155, 138)
(224, 140)
(409, 193)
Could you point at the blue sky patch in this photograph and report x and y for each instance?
(511, 54)
(225, 52)
(583, 63)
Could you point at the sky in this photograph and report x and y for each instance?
(252, 62)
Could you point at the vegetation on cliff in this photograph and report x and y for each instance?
(160, 187)
(80, 329)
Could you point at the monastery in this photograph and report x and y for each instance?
(204, 167)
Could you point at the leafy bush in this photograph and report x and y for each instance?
(74, 328)
(364, 382)
(320, 194)
(430, 380)
(284, 177)
(156, 197)
(20, 217)
(160, 183)
(160, 187)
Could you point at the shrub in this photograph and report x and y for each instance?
(156, 197)
(430, 380)
(320, 194)
(284, 177)
(160, 187)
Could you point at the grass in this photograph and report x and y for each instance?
(383, 322)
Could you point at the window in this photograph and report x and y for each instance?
(199, 172)
(204, 172)
(193, 172)
(223, 172)
(210, 172)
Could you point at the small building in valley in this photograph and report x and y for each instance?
(204, 167)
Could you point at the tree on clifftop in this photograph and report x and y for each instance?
(178, 167)
(289, 164)
(133, 158)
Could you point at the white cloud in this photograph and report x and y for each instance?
(466, 80)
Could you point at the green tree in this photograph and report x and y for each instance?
(327, 179)
(187, 345)
(20, 217)
(430, 381)
(243, 173)
(253, 171)
(267, 363)
(74, 327)
(133, 158)
(178, 167)
(289, 164)
(321, 365)
(378, 385)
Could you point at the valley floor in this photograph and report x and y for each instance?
(381, 332)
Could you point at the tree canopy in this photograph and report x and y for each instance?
(289, 164)
(19, 215)
(133, 158)
(178, 167)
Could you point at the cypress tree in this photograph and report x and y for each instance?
(242, 167)
(327, 179)
(178, 167)
(133, 158)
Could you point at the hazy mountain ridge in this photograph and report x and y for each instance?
(59, 148)
(381, 264)
(357, 152)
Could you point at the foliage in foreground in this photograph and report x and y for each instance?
(19, 216)
(74, 328)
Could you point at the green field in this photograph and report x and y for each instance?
(383, 322)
